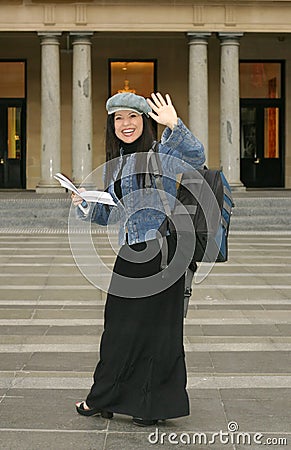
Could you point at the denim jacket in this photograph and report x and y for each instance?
(141, 212)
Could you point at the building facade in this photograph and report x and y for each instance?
(226, 65)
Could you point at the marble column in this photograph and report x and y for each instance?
(198, 87)
(82, 107)
(50, 112)
(229, 107)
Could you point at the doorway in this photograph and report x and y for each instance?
(262, 124)
(12, 124)
(12, 144)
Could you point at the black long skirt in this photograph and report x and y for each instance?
(141, 371)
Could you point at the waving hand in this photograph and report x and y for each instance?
(163, 110)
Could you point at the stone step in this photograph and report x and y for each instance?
(257, 225)
(253, 211)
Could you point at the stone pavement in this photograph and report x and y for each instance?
(237, 342)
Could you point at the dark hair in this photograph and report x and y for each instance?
(113, 145)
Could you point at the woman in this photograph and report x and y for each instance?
(141, 371)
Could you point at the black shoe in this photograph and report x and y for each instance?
(93, 412)
(106, 414)
(143, 422)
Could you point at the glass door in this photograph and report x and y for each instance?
(261, 146)
(12, 144)
(262, 124)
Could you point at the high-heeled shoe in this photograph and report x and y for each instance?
(93, 411)
(143, 422)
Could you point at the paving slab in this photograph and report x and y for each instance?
(251, 362)
(26, 280)
(260, 415)
(280, 307)
(23, 330)
(160, 439)
(245, 330)
(91, 293)
(51, 440)
(15, 293)
(14, 361)
(60, 361)
(88, 330)
(16, 313)
(46, 340)
(47, 409)
(67, 281)
(199, 362)
(23, 270)
(67, 313)
(6, 306)
(193, 330)
(257, 393)
(250, 294)
(228, 307)
(285, 329)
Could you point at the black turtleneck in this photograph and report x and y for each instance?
(128, 149)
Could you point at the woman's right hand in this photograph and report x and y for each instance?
(76, 199)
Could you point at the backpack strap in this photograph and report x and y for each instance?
(149, 168)
(154, 168)
(188, 288)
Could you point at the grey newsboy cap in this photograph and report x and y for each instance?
(128, 101)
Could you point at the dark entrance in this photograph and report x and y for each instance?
(12, 124)
(12, 144)
(262, 124)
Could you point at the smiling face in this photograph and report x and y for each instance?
(128, 125)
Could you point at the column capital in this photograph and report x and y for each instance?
(230, 38)
(49, 37)
(198, 37)
(49, 34)
(79, 37)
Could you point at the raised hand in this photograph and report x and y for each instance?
(163, 110)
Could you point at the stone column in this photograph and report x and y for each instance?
(229, 107)
(50, 112)
(82, 107)
(198, 87)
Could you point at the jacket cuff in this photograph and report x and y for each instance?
(84, 211)
(174, 137)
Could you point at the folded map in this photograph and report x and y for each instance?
(88, 196)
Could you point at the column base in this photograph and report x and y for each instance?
(237, 187)
(43, 188)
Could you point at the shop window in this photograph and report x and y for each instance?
(12, 79)
(271, 129)
(14, 132)
(132, 76)
(260, 80)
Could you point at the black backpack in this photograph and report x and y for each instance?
(211, 217)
